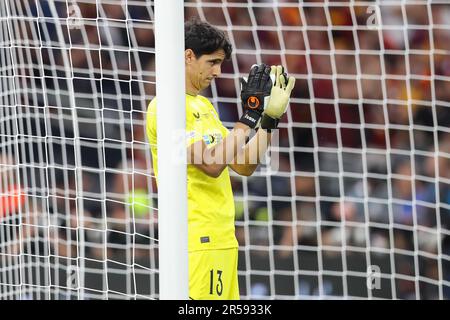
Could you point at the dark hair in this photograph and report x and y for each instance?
(203, 38)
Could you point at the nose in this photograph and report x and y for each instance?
(217, 70)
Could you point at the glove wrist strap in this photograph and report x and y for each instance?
(250, 118)
(269, 123)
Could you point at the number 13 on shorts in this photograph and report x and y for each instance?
(218, 288)
(213, 275)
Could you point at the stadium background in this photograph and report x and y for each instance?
(360, 106)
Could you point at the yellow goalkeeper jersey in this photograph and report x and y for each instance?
(210, 200)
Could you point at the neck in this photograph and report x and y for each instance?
(190, 89)
(192, 93)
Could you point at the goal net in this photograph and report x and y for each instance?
(359, 203)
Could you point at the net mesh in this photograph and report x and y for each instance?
(357, 206)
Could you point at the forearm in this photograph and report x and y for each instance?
(213, 160)
(252, 153)
(258, 145)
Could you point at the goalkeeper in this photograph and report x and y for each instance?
(212, 149)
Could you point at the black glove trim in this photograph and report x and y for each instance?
(269, 123)
(250, 118)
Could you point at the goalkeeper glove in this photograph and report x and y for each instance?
(255, 92)
(279, 98)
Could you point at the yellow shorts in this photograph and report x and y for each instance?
(213, 274)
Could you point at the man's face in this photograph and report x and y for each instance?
(201, 71)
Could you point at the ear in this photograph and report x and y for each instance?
(189, 56)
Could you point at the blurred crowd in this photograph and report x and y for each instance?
(363, 153)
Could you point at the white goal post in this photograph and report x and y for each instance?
(171, 119)
(358, 208)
